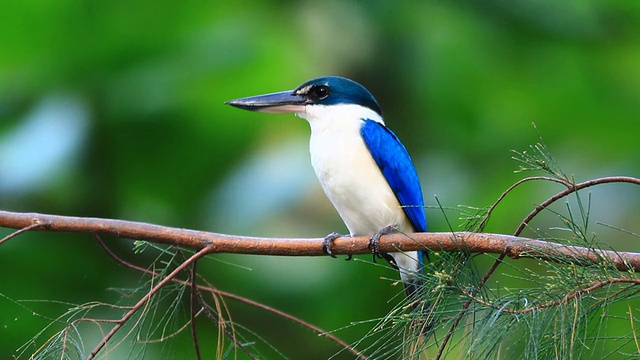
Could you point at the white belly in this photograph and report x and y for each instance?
(354, 183)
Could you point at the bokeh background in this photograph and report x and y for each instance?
(115, 109)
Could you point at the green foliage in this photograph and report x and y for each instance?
(554, 310)
(526, 309)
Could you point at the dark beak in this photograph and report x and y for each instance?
(276, 103)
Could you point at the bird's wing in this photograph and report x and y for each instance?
(396, 166)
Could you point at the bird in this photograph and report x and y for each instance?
(363, 168)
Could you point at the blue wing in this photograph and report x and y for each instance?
(396, 166)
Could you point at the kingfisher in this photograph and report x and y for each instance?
(362, 166)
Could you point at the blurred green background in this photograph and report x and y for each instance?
(115, 109)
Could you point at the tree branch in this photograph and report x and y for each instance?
(512, 246)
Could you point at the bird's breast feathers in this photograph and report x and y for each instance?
(348, 174)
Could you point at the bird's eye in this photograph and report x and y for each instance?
(319, 92)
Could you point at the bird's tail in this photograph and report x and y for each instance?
(410, 266)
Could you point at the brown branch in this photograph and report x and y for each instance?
(571, 189)
(512, 246)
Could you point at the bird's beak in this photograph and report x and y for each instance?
(276, 103)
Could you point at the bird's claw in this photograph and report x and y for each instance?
(326, 243)
(374, 245)
(374, 242)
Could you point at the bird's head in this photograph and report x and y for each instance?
(314, 96)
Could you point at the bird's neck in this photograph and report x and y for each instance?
(337, 118)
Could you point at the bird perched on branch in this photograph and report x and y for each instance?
(363, 167)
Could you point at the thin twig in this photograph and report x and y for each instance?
(194, 329)
(465, 306)
(144, 300)
(633, 329)
(20, 231)
(511, 188)
(565, 299)
(570, 190)
(247, 301)
(154, 274)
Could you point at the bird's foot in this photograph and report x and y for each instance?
(326, 243)
(374, 242)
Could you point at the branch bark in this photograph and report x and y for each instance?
(512, 246)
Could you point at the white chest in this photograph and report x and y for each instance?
(350, 177)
